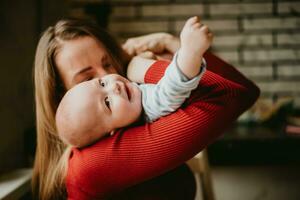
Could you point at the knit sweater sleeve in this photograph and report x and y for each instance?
(136, 154)
(169, 93)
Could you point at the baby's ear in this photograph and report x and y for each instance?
(112, 132)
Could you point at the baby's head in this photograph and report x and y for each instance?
(95, 108)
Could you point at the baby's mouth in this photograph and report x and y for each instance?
(128, 92)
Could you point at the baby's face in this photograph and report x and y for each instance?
(105, 104)
(119, 101)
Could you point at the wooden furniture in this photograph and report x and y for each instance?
(200, 166)
(255, 145)
(15, 184)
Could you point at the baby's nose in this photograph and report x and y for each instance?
(116, 87)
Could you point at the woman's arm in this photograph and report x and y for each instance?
(144, 50)
(158, 43)
(137, 68)
(136, 154)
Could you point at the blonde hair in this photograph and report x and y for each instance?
(50, 167)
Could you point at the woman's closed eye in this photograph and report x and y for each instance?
(107, 65)
(107, 103)
(82, 79)
(87, 79)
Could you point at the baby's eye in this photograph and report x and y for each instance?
(107, 102)
(101, 83)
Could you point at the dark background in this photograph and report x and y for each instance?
(21, 25)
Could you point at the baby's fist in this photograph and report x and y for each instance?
(195, 36)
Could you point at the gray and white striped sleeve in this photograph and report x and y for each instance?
(169, 93)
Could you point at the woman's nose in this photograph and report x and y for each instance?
(100, 73)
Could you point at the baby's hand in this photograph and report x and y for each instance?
(195, 37)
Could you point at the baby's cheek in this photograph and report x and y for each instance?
(124, 107)
(120, 108)
(127, 113)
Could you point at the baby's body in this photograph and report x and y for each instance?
(98, 107)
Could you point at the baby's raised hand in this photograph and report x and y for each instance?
(195, 37)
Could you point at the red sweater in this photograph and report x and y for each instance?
(136, 154)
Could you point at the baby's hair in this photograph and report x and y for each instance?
(63, 118)
(73, 125)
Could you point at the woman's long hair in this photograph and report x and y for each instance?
(50, 166)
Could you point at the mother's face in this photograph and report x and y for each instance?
(82, 59)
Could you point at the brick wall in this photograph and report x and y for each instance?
(260, 37)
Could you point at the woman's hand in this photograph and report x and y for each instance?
(144, 50)
(158, 43)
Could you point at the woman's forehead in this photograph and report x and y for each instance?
(81, 49)
(79, 56)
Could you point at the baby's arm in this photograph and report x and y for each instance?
(169, 93)
(182, 75)
(195, 39)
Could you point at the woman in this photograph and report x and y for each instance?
(125, 165)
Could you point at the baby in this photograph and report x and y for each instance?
(95, 108)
